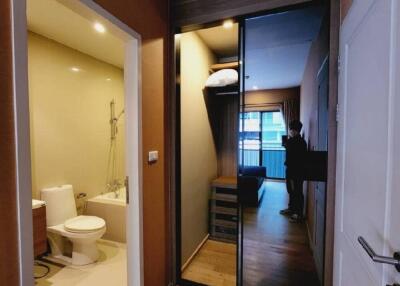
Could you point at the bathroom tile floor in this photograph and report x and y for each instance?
(111, 269)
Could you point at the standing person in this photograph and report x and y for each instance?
(296, 150)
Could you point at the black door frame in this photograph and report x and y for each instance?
(172, 128)
(175, 140)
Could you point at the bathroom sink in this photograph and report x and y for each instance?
(37, 204)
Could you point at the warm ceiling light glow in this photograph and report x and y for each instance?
(255, 87)
(228, 24)
(99, 27)
(108, 79)
(75, 69)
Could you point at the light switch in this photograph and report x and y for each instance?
(153, 156)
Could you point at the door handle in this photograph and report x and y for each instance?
(395, 260)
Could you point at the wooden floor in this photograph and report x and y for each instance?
(275, 251)
(214, 264)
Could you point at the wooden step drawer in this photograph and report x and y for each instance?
(224, 197)
(226, 217)
(222, 210)
(225, 233)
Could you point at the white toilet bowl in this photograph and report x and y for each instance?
(83, 232)
(64, 223)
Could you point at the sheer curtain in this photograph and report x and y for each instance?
(291, 111)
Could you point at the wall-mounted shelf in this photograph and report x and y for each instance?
(231, 65)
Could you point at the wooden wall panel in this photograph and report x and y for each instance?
(228, 139)
(9, 268)
(223, 115)
(150, 19)
(193, 12)
(271, 96)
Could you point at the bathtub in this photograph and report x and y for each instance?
(118, 197)
(112, 208)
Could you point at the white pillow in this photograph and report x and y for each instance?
(222, 78)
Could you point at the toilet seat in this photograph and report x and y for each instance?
(84, 224)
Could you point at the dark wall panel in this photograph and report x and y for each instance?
(193, 12)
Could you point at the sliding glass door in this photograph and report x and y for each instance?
(250, 139)
(261, 141)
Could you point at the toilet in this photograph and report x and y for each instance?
(64, 223)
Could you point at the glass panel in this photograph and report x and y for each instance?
(273, 128)
(273, 153)
(261, 141)
(250, 140)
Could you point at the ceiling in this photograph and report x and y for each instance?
(55, 21)
(277, 47)
(222, 41)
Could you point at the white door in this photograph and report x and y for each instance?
(368, 166)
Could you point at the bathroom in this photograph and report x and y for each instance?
(77, 138)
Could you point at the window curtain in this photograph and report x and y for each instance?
(291, 111)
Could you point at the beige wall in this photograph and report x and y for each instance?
(198, 154)
(69, 115)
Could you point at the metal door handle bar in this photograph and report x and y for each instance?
(395, 260)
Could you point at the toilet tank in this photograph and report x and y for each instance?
(60, 204)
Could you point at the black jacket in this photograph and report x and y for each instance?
(296, 151)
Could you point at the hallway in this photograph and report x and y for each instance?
(275, 251)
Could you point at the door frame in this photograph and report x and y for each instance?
(172, 144)
(334, 28)
(132, 81)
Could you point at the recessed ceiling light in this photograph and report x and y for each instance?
(108, 79)
(255, 87)
(75, 69)
(227, 24)
(99, 27)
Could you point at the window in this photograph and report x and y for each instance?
(261, 141)
(273, 127)
(250, 137)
